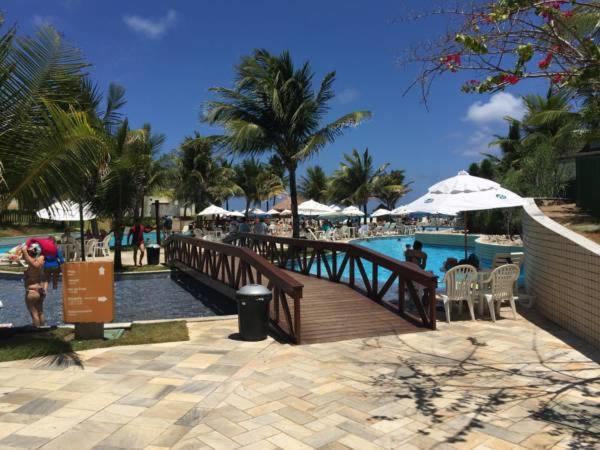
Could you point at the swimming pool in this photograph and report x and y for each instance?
(140, 297)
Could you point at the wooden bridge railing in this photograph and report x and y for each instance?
(326, 259)
(236, 266)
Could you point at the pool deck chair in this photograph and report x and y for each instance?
(502, 280)
(459, 283)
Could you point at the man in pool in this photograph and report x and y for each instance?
(137, 231)
(35, 293)
(416, 255)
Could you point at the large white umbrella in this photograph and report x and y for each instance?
(464, 193)
(214, 210)
(381, 212)
(352, 211)
(335, 207)
(257, 212)
(273, 212)
(400, 211)
(313, 208)
(285, 212)
(236, 214)
(66, 211)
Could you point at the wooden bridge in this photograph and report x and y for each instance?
(321, 291)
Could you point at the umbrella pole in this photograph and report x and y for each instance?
(81, 228)
(466, 231)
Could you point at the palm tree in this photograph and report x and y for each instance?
(47, 142)
(256, 181)
(203, 177)
(356, 179)
(314, 184)
(390, 187)
(274, 108)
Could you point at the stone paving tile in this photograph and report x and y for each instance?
(513, 384)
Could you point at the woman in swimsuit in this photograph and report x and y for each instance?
(35, 293)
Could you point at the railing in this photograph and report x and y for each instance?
(236, 266)
(329, 260)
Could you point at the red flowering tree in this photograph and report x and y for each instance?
(506, 41)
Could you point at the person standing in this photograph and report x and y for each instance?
(52, 265)
(136, 238)
(35, 293)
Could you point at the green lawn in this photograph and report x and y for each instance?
(60, 341)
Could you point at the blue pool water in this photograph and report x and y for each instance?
(149, 238)
(143, 297)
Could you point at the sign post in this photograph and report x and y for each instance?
(88, 297)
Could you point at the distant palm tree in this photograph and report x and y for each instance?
(356, 180)
(390, 187)
(47, 142)
(256, 181)
(313, 185)
(274, 108)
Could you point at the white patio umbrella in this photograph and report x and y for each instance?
(257, 212)
(381, 212)
(464, 193)
(273, 212)
(352, 211)
(69, 211)
(285, 212)
(313, 208)
(213, 210)
(66, 211)
(400, 211)
(335, 207)
(236, 214)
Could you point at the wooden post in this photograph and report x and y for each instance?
(82, 238)
(157, 215)
(466, 231)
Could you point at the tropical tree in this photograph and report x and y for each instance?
(203, 176)
(356, 179)
(274, 108)
(256, 181)
(506, 41)
(46, 141)
(313, 185)
(391, 187)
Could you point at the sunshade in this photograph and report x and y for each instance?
(400, 211)
(313, 208)
(273, 212)
(381, 212)
(256, 212)
(214, 210)
(66, 211)
(236, 214)
(352, 211)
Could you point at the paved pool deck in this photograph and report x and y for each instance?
(513, 384)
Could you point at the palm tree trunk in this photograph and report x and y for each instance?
(365, 211)
(118, 230)
(294, 202)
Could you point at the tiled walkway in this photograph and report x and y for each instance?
(469, 385)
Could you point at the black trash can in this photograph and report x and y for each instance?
(153, 254)
(253, 312)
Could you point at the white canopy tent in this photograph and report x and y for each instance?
(381, 212)
(214, 210)
(464, 193)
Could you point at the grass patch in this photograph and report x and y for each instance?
(61, 341)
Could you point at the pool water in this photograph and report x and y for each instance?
(149, 238)
(143, 297)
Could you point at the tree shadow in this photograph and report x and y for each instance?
(475, 390)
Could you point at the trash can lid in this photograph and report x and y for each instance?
(153, 246)
(253, 290)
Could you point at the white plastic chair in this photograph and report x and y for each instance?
(90, 247)
(103, 248)
(459, 287)
(502, 280)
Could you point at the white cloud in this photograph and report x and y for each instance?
(151, 28)
(347, 95)
(479, 142)
(43, 21)
(499, 105)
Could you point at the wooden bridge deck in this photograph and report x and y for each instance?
(336, 312)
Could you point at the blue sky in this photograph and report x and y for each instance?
(167, 54)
